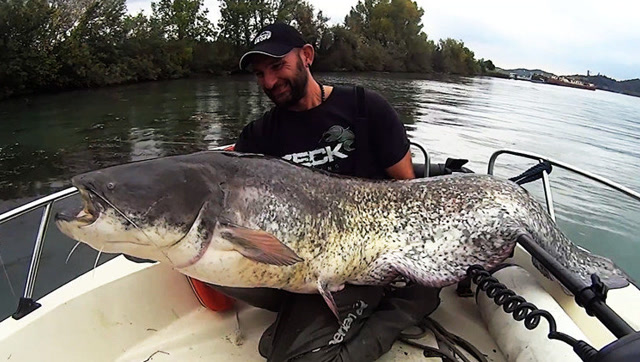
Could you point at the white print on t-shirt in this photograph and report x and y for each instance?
(327, 154)
(338, 337)
(318, 156)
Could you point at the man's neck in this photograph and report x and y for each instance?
(312, 99)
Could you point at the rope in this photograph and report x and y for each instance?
(445, 339)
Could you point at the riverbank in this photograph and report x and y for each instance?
(238, 74)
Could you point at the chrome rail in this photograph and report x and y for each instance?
(26, 302)
(427, 159)
(546, 183)
(545, 178)
(21, 210)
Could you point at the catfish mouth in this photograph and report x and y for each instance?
(89, 213)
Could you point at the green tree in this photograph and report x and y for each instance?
(390, 34)
(91, 56)
(453, 57)
(26, 47)
(339, 51)
(183, 19)
(486, 66)
(144, 49)
(302, 15)
(60, 44)
(240, 21)
(489, 65)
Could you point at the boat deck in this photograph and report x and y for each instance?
(153, 315)
(125, 311)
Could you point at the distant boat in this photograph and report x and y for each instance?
(570, 83)
(516, 76)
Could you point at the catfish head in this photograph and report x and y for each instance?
(144, 208)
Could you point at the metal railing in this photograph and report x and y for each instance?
(427, 159)
(545, 177)
(47, 203)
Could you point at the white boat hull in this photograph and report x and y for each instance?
(124, 311)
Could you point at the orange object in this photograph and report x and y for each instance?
(210, 298)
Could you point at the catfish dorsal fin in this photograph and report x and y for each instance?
(258, 245)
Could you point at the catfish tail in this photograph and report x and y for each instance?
(578, 260)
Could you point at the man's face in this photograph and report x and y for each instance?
(284, 79)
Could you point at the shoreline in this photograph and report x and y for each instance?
(241, 74)
(232, 74)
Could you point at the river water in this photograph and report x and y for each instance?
(46, 139)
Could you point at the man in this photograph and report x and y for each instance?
(346, 131)
(315, 124)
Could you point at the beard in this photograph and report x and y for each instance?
(297, 88)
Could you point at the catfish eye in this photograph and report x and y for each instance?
(111, 186)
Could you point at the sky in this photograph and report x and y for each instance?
(559, 36)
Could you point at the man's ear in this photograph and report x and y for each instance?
(308, 54)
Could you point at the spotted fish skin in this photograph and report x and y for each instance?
(332, 230)
(429, 230)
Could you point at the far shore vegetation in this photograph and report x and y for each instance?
(52, 45)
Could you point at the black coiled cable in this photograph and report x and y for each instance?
(520, 309)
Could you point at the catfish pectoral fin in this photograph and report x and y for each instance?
(259, 245)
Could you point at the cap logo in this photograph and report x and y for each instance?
(262, 37)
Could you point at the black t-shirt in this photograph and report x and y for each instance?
(334, 136)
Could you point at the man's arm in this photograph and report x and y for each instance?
(389, 138)
(403, 170)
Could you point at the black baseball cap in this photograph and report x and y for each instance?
(275, 40)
